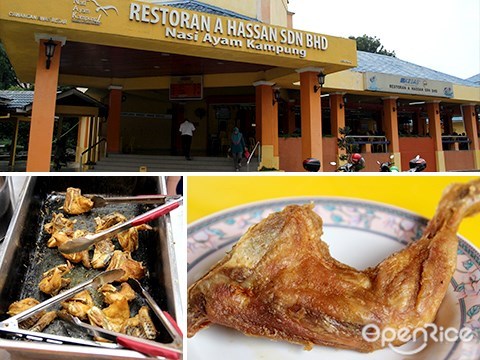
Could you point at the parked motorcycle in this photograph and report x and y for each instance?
(311, 164)
(388, 166)
(355, 163)
(417, 164)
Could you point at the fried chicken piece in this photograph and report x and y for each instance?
(128, 239)
(59, 223)
(79, 304)
(111, 294)
(53, 281)
(44, 321)
(280, 282)
(103, 253)
(75, 203)
(20, 306)
(59, 238)
(103, 223)
(141, 325)
(123, 260)
(112, 317)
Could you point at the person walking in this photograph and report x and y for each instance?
(187, 129)
(238, 147)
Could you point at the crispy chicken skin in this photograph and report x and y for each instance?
(75, 203)
(280, 282)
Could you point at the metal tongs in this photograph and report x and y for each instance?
(166, 319)
(84, 242)
(100, 201)
(144, 346)
(10, 328)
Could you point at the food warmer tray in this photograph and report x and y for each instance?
(24, 256)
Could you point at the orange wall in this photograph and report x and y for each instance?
(413, 146)
(290, 153)
(290, 150)
(459, 160)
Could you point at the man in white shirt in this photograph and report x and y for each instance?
(187, 129)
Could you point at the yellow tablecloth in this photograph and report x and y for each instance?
(419, 193)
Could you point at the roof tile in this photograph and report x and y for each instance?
(391, 65)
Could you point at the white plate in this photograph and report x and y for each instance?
(360, 234)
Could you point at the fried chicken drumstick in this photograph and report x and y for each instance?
(280, 282)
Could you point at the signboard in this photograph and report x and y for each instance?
(158, 27)
(186, 88)
(407, 85)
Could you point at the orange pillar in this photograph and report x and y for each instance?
(311, 113)
(435, 130)
(43, 110)
(291, 126)
(113, 121)
(267, 124)
(337, 118)
(390, 125)
(471, 128)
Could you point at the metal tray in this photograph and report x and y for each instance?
(24, 255)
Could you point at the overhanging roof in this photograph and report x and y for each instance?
(131, 46)
(370, 62)
(21, 101)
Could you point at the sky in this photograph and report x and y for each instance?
(443, 35)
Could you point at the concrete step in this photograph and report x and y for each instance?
(133, 163)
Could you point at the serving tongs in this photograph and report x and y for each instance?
(84, 242)
(9, 327)
(146, 347)
(166, 319)
(100, 201)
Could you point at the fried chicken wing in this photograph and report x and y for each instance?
(103, 253)
(59, 223)
(58, 238)
(111, 294)
(44, 321)
(79, 304)
(53, 281)
(36, 322)
(103, 223)
(141, 325)
(123, 260)
(19, 306)
(75, 203)
(112, 317)
(129, 239)
(280, 282)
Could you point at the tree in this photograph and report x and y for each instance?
(7, 74)
(371, 45)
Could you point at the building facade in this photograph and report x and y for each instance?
(223, 64)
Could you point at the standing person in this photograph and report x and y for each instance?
(187, 129)
(238, 147)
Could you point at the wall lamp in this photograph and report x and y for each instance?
(343, 103)
(276, 95)
(49, 51)
(321, 81)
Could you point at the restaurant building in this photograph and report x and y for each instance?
(223, 64)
